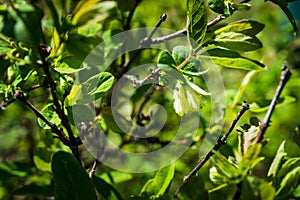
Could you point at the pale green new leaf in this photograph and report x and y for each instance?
(250, 159)
(196, 21)
(289, 183)
(231, 59)
(159, 184)
(185, 99)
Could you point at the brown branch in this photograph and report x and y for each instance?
(215, 148)
(44, 52)
(285, 76)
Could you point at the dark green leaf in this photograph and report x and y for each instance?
(180, 53)
(107, 191)
(70, 179)
(217, 6)
(166, 58)
(197, 21)
(231, 59)
(159, 184)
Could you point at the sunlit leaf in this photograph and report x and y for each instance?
(42, 158)
(237, 41)
(70, 179)
(159, 184)
(64, 68)
(50, 114)
(277, 161)
(250, 159)
(289, 183)
(196, 22)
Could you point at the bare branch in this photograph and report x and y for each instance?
(285, 76)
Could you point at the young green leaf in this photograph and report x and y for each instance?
(237, 41)
(186, 99)
(289, 183)
(50, 115)
(160, 183)
(245, 26)
(250, 159)
(277, 161)
(70, 179)
(196, 22)
(231, 59)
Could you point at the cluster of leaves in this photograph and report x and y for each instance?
(71, 30)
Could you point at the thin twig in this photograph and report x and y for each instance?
(19, 95)
(215, 148)
(285, 76)
(146, 42)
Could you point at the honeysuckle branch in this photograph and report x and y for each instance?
(284, 78)
(44, 51)
(215, 148)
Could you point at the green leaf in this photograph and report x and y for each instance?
(91, 10)
(50, 115)
(287, 166)
(194, 189)
(160, 183)
(186, 99)
(250, 159)
(284, 6)
(107, 191)
(92, 89)
(217, 6)
(237, 41)
(277, 161)
(89, 30)
(166, 58)
(231, 59)
(70, 179)
(64, 68)
(42, 158)
(254, 107)
(180, 53)
(246, 26)
(296, 135)
(196, 22)
(254, 188)
(223, 171)
(289, 183)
